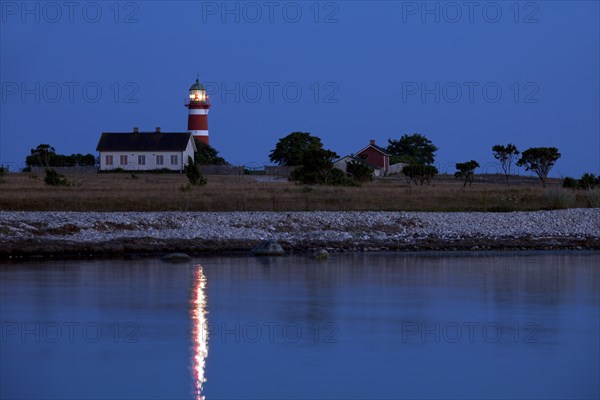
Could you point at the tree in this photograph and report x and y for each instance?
(359, 171)
(506, 155)
(192, 171)
(208, 155)
(419, 173)
(45, 156)
(412, 149)
(291, 149)
(539, 160)
(314, 167)
(43, 153)
(466, 171)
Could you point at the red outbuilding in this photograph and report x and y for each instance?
(376, 156)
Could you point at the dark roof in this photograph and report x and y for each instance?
(143, 141)
(380, 149)
(197, 86)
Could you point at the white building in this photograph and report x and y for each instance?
(342, 164)
(145, 151)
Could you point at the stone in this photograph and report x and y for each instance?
(321, 255)
(268, 248)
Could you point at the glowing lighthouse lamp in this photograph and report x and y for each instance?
(198, 104)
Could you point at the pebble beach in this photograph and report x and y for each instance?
(115, 233)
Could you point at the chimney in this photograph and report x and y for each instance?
(158, 129)
(136, 129)
(372, 141)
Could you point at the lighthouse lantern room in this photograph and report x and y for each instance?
(198, 105)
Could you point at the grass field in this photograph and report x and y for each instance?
(165, 192)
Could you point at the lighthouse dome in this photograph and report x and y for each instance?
(197, 86)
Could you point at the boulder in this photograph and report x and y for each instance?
(268, 248)
(321, 255)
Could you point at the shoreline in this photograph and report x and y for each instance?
(130, 249)
(117, 234)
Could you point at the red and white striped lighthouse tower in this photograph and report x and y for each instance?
(198, 104)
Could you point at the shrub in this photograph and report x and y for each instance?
(315, 168)
(570, 183)
(192, 171)
(419, 174)
(53, 178)
(559, 198)
(588, 181)
(337, 177)
(359, 171)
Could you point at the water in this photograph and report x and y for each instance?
(376, 326)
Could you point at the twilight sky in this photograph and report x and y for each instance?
(467, 75)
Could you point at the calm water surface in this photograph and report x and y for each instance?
(379, 326)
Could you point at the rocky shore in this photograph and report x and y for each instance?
(25, 234)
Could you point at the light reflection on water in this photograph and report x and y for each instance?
(199, 327)
(354, 326)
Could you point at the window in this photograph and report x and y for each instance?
(123, 160)
(174, 160)
(159, 160)
(109, 160)
(141, 160)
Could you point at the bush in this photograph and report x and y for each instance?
(192, 171)
(559, 198)
(60, 160)
(310, 176)
(315, 168)
(53, 178)
(359, 171)
(588, 181)
(419, 174)
(337, 177)
(570, 183)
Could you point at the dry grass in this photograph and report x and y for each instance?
(162, 192)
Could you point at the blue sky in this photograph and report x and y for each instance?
(467, 75)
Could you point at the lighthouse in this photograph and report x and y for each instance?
(198, 104)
